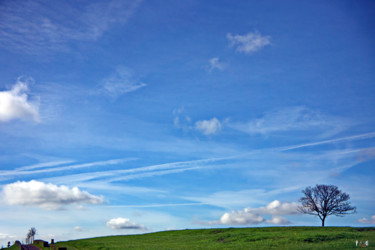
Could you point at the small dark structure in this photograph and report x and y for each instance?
(18, 243)
(41, 243)
(58, 248)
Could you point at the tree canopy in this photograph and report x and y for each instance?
(325, 200)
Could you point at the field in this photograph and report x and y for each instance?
(235, 238)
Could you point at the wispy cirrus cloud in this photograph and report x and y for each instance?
(215, 63)
(181, 119)
(248, 43)
(35, 26)
(122, 81)
(15, 103)
(59, 166)
(44, 165)
(294, 119)
(272, 163)
(365, 152)
(47, 196)
(329, 162)
(147, 171)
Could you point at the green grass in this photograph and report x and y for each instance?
(13, 248)
(235, 238)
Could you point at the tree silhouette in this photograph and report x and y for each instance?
(30, 235)
(325, 200)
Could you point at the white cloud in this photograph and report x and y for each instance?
(137, 173)
(45, 165)
(248, 43)
(230, 199)
(278, 220)
(278, 208)
(215, 64)
(209, 127)
(14, 103)
(37, 26)
(124, 223)
(47, 196)
(7, 238)
(50, 167)
(367, 221)
(181, 119)
(78, 229)
(121, 82)
(251, 216)
(293, 118)
(241, 218)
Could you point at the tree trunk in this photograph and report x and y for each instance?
(323, 222)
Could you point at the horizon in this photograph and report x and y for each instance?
(200, 228)
(132, 117)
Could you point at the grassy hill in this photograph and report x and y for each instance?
(235, 238)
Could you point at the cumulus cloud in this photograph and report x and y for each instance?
(47, 196)
(209, 127)
(278, 220)
(252, 216)
(278, 208)
(244, 217)
(14, 103)
(124, 223)
(120, 82)
(368, 221)
(248, 43)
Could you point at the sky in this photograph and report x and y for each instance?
(129, 117)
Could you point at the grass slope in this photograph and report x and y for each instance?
(235, 238)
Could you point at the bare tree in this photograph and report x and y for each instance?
(325, 200)
(30, 235)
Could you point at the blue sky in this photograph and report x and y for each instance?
(122, 117)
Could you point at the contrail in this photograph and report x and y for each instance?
(348, 138)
